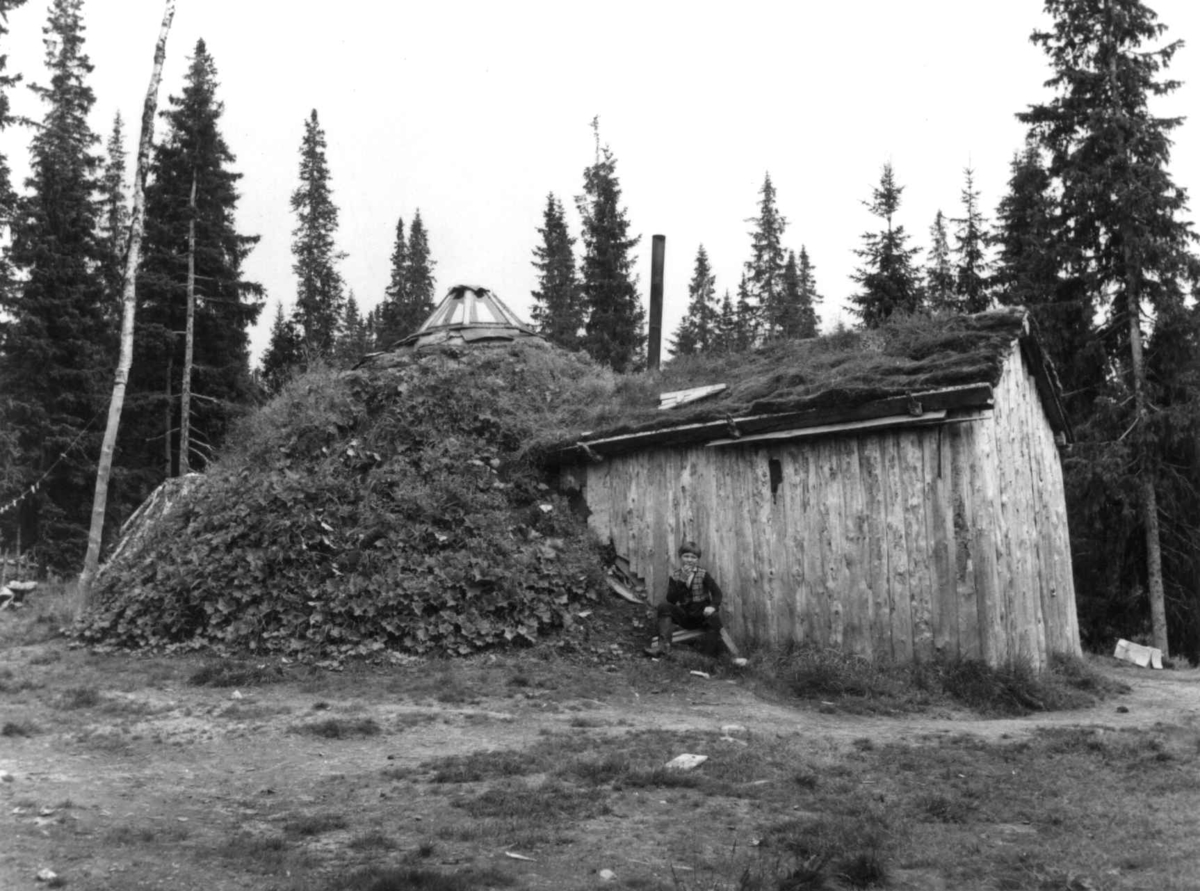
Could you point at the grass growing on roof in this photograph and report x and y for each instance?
(843, 369)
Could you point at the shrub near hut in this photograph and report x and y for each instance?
(393, 507)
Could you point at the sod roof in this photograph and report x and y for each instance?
(909, 364)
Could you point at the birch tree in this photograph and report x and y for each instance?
(128, 304)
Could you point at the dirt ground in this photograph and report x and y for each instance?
(120, 773)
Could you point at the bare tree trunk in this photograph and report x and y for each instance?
(185, 390)
(169, 414)
(1147, 497)
(128, 304)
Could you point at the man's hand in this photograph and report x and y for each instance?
(709, 610)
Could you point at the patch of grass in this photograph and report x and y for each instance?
(46, 657)
(144, 835)
(548, 802)
(314, 824)
(945, 808)
(479, 766)
(585, 723)
(414, 878)
(253, 711)
(375, 840)
(48, 610)
(270, 854)
(78, 697)
(340, 728)
(121, 705)
(851, 847)
(851, 684)
(18, 728)
(226, 673)
(10, 682)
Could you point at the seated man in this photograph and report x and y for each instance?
(693, 598)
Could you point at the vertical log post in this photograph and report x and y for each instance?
(657, 255)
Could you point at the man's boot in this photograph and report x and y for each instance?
(666, 629)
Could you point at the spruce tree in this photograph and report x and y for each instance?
(613, 332)
(396, 318)
(800, 297)
(59, 342)
(1123, 235)
(697, 332)
(353, 342)
(1027, 266)
(939, 272)
(889, 280)
(11, 473)
(114, 212)
(557, 302)
(320, 297)
(420, 284)
(971, 269)
(284, 354)
(1027, 273)
(191, 207)
(764, 269)
(745, 318)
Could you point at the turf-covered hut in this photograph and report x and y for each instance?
(895, 493)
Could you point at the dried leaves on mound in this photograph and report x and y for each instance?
(391, 508)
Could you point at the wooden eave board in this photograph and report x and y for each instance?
(964, 397)
(1047, 387)
(933, 417)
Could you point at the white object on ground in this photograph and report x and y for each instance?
(607, 875)
(1138, 654)
(686, 762)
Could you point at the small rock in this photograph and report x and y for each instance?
(5, 776)
(607, 875)
(1122, 710)
(741, 662)
(701, 674)
(46, 875)
(236, 694)
(728, 729)
(731, 739)
(686, 762)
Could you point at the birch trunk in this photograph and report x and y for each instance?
(128, 304)
(185, 390)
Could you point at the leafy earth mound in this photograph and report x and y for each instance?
(399, 507)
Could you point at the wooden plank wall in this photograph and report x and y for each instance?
(897, 545)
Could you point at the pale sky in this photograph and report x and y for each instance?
(474, 111)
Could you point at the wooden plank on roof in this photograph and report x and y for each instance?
(933, 417)
(676, 398)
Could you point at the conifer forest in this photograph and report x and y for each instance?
(1091, 235)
